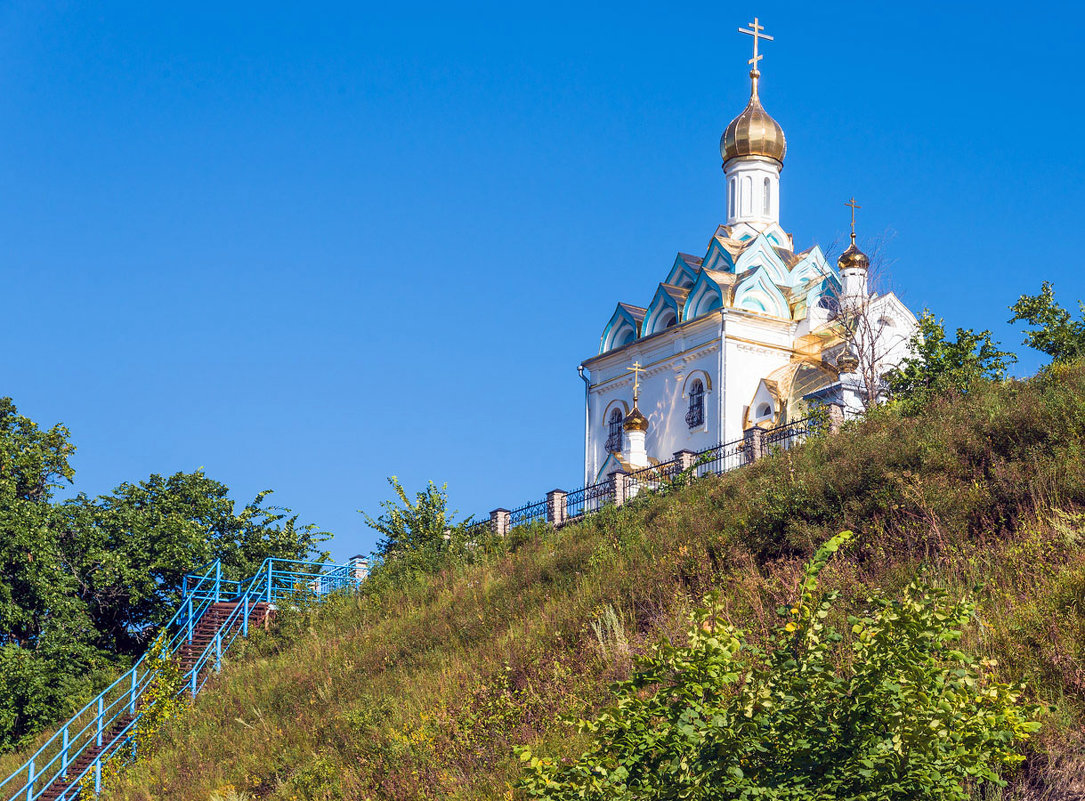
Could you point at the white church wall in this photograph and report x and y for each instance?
(670, 359)
(755, 346)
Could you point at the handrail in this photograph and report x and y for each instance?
(92, 727)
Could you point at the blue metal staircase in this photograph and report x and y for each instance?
(212, 614)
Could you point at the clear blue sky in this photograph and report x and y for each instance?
(306, 246)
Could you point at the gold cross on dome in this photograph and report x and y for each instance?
(853, 205)
(755, 31)
(636, 370)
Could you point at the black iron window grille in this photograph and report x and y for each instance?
(614, 432)
(695, 415)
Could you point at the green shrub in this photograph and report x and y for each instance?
(907, 717)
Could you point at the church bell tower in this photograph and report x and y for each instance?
(753, 150)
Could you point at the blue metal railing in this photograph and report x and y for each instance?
(104, 727)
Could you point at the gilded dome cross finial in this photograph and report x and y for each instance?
(755, 30)
(853, 205)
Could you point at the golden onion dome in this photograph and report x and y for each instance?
(853, 258)
(635, 421)
(753, 132)
(846, 362)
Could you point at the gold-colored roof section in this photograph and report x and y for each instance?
(635, 421)
(853, 258)
(753, 132)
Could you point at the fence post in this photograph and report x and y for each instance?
(64, 753)
(500, 521)
(132, 695)
(836, 417)
(755, 443)
(189, 624)
(556, 512)
(359, 568)
(686, 459)
(98, 776)
(30, 781)
(192, 681)
(245, 619)
(618, 486)
(100, 713)
(218, 652)
(269, 582)
(218, 581)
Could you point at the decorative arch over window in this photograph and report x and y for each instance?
(697, 384)
(706, 296)
(614, 431)
(695, 413)
(665, 308)
(623, 328)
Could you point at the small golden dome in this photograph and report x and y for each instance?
(635, 421)
(846, 361)
(853, 258)
(753, 132)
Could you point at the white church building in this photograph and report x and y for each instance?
(748, 334)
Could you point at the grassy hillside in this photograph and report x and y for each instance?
(421, 686)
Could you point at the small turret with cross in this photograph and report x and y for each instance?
(853, 263)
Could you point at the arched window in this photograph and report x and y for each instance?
(695, 415)
(763, 411)
(768, 197)
(731, 210)
(614, 432)
(747, 194)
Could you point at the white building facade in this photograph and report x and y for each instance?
(747, 335)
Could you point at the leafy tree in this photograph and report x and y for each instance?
(85, 583)
(46, 636)
(908, 717)
(408, 526)
(941, 365)
(1055, 332)
(130, 549)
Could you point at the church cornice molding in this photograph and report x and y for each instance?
(659, 366)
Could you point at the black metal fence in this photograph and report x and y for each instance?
(589, 499)
(722, 458)
(716, 460)
(528, 513)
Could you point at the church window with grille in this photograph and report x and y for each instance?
(695, 415)
(614, 432)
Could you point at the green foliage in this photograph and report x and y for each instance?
(908, 716)
(1055, 332)
(130, 549)
(162, 701)
(417, 525)
(419, 686)
(85, 583)
(47, 639)
(941, 366)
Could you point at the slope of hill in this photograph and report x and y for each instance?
(421, 686)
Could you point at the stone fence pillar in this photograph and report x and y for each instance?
(755, 443)
(359, 568)
(685, 458)
(500, 522)
(556, 512)
(836, 417)
(618, 486)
